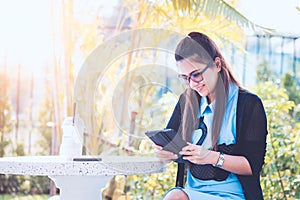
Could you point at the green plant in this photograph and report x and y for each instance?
(280, 174)
(152, 186)
(6, 122)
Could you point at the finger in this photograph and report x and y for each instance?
(157, 147)
(167, 157)
(192, 159)
(189, 150)
(185, 152)
(189, 153)
(163, 153)
(189, 158)
(172, 157)
(190, 147)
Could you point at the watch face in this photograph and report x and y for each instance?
(221, 160)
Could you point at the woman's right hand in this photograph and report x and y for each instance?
(164, 156)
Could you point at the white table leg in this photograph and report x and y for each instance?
(80, 187)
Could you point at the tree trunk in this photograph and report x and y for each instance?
(67, 28)
(30, 114)
(18, 103)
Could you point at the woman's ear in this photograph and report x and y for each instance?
(218, 63)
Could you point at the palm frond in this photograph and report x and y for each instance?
(215, 8)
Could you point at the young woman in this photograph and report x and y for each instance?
(223, 159)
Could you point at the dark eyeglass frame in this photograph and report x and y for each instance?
(195, 75)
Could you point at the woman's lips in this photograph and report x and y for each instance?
(199, 88)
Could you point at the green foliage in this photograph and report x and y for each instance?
(45, 118)
(292, 89)
(10, 184)
(3, 145)
(264, 73)
(24, 197)
(213, 8)
(290, 84)
(16, 184)
(36, 185)
(19, 151)
(6, 122)
(152, 186)
(280, 174)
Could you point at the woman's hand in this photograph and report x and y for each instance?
(164, 156)
(199, 155)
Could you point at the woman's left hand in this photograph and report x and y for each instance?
(198, 154)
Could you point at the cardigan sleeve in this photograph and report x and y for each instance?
(253, 134)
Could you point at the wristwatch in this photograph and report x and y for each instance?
(221, 160)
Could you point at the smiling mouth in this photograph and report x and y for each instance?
(199, 87)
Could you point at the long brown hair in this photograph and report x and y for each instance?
(200, 48)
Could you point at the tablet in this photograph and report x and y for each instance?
(168, 139)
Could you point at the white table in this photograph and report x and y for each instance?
(78, 179)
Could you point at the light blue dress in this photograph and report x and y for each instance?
(210, 189)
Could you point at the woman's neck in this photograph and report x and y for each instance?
(210, 98)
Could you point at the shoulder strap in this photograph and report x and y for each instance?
(180, 175)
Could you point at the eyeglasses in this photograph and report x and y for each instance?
(195, 75)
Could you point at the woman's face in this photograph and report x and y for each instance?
(205, 87)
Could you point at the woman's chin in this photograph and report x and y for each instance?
(201, 91)
(202, 94)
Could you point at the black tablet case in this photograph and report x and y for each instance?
(169, 140)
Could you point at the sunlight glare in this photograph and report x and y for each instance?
(25, 35)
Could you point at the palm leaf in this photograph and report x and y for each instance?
(217, 7)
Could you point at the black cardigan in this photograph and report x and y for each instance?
(251, 130)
